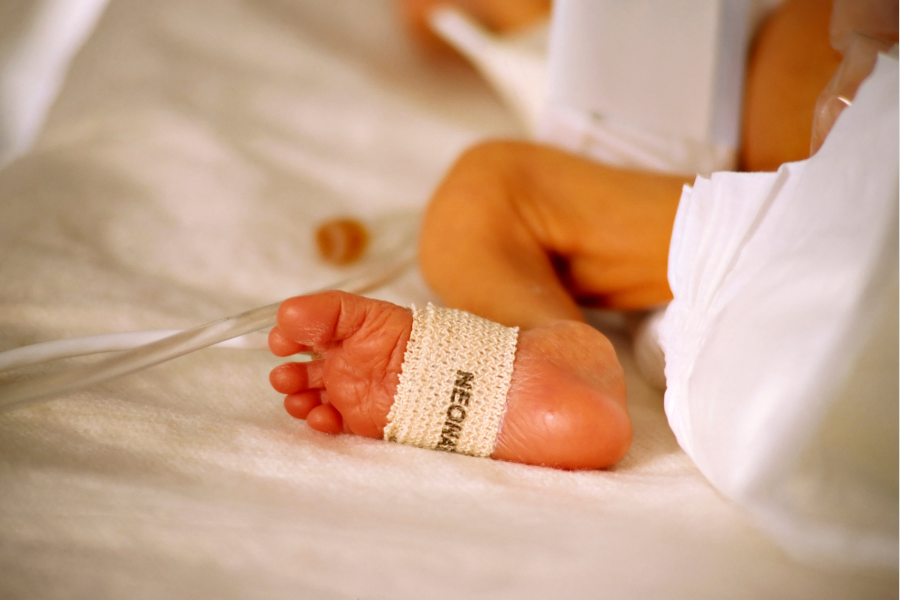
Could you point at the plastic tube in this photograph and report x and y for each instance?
(106, 342)
(49, 386)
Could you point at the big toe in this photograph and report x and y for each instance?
(324, 318)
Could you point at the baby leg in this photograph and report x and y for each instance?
(522, 234)
(565, 406)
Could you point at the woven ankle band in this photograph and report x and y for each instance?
(455, 376)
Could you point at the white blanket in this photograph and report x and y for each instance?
(177, 179)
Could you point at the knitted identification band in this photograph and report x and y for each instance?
(453, 384)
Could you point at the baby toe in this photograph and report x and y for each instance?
(293, 377)
(298, 405)
(281, 345)
(325, 418)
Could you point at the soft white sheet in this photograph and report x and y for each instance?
(177, 179)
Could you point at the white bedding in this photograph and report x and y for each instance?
(177, 179)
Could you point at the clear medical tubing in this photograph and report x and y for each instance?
(36, 354)
(860, 30)
(860, 54)
(191, 340)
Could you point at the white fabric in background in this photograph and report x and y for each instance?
(781, 343)
(192, 149)
(662, 96)
(646, 84)
(37, 40)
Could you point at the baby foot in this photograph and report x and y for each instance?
(566, 402)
